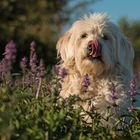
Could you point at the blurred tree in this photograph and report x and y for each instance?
(39, 20)
(132, 30)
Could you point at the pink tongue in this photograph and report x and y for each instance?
(95, 52)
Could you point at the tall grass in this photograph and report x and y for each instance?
(31, 108)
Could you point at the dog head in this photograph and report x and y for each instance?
(94, 45)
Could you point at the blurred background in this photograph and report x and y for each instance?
(45, 20)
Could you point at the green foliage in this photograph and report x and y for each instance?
(31, 108)
(24, 117)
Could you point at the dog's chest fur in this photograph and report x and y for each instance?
(99, 92)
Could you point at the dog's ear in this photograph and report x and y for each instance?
(62, 45)
(65, 46)
(125, 54)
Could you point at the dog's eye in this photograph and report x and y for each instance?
(105, 37)
(84, 35)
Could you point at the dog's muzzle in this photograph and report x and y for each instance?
(94, 49)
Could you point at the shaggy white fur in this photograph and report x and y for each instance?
(109, 69)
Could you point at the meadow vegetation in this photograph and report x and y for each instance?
(31, 108)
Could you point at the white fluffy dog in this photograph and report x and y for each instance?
(99, 61)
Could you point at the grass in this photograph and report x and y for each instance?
(31, 109)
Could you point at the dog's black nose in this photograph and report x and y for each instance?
(94, 48)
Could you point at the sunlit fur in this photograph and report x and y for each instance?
(115, 66)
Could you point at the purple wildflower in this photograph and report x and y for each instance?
(63, 72)
(33, 45)
(33, 63)
(9, 56)
(114, 93)
(132, 86)
(10, 51)
(5, 65)
(33, 57)
(32, 49)
(132, 94)
(85, 81)
(112, 97)
(23, 63)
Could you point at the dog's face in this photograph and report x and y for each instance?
(94, 45)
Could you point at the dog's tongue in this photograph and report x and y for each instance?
(95, 49)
